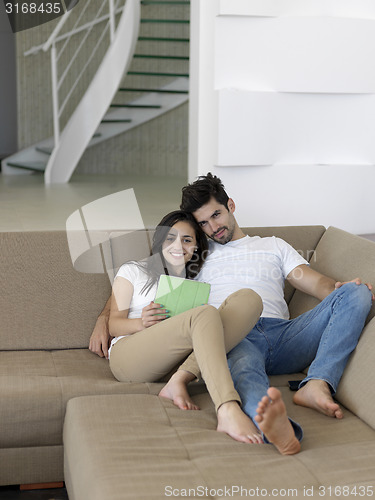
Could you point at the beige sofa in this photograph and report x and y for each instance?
(121, 440)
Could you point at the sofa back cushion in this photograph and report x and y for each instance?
(356, 388)
(44, 302)
(343, 257)
(53, 293)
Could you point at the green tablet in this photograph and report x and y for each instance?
(179, 295)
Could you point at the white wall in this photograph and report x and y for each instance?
(282, 108)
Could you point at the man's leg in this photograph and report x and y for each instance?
(247, 362)
(264, 405)
(324, 337)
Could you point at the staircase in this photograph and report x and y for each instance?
(149, 50)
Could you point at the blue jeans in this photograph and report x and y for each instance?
(322, 338)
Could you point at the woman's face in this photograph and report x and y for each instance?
(179, 244)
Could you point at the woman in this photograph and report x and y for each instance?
(148, 344)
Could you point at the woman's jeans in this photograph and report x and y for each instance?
(322, 338)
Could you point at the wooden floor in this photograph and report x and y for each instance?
(14, 493)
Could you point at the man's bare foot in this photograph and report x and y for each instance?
(274, 423)
(233, 421)
(316, 394)
(176, 390)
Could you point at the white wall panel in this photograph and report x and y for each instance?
(364, 9)
(286, 114)
(295, 54)
(339, 196)
(263, 128)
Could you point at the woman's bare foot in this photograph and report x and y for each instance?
(233, 421)
(274, 423)
(176, 390)
(316, 394)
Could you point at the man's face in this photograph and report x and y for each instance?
(217, 221)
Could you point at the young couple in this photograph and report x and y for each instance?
(147, 344)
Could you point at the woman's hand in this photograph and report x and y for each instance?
(153, 314)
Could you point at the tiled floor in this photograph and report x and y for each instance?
(27, 204)
(14, 493)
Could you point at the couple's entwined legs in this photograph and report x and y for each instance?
(150, 354)
(324, 337)
(238, 313)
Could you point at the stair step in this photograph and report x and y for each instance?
(161, 39)
(162, 91)
(150, 73)
(152, 56)
(48, 149)
(115, 120)
(37, 166)
(136, 106)
(44, 149)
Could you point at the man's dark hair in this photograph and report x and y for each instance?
(199, 192)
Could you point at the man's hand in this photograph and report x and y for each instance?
(357, 281)
(100, 338)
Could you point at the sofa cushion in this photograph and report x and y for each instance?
(343, 257)
(356, 389)
(152, 448)
(47, 304)
(36, 385)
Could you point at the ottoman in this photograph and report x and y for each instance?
(142, 447)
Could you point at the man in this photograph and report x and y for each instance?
(323, 337)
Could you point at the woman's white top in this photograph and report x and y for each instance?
(138, 278)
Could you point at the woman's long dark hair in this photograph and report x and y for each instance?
(155, 265)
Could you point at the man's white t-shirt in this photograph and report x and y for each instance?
(261, 264)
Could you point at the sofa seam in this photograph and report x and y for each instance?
(63, 409)
(191, 460)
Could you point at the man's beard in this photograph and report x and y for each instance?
(225, 239)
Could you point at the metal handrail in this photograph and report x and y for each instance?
(83, 27)
(56, 31)
(55, 38)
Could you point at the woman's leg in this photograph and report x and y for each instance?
(148, 355)
(239, 313)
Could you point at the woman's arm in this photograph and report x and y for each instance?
(119, 323)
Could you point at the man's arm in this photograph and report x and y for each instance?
(307, 280)
(100, 338)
